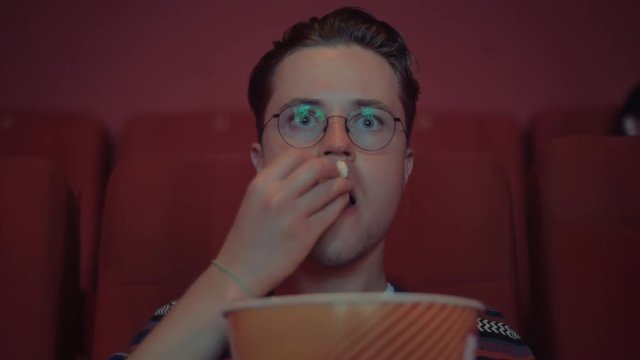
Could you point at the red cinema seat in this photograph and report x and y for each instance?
(498, 136)
(165, 218)
(205, 132)
(38, 265)
(587, 246)
(77, 145)
(453, 232)
(552, 124)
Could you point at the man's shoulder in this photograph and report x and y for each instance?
(496, 339)
(491, 322)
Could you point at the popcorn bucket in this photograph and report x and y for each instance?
(354, 326)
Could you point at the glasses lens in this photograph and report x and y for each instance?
(302, 125)
(370, 128)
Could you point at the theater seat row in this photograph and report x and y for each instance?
(467, 193)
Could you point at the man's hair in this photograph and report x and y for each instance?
(344, 26)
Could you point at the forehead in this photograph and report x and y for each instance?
(336, 76)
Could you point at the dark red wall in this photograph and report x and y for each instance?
(118, 58)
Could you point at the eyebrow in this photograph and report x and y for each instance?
(356, 103)
(300, 101)
(372, 103)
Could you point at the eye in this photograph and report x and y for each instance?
(367, 119)
(303, 120)
(305, 116)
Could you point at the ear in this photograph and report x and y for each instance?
(257, 156)
(408, 164)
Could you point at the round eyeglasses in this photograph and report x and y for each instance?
(303, 126)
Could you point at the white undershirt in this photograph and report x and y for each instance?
(389, 289)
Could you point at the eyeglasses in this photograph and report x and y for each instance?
(304, 125)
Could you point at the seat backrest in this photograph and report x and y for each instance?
(552, 124)
(165, 218)
(453, 232)
(588, 210)
(77, 145)
(205, 132)
(496, 135)
(38, 261)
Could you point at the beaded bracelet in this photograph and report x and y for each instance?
(237, 279)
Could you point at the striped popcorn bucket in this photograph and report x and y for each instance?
(354, 326)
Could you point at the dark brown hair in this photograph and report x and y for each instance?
(345, 26)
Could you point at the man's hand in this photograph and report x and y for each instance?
(285, 210)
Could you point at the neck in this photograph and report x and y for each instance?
(365, 274)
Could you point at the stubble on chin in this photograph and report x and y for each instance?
(334, 252)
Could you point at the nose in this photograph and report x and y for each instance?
(336, 140)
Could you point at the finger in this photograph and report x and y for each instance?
(320, 196)
(285, 164)
(310, 174)
(321, 220)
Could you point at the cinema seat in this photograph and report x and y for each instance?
(38, 261)
(77, 145)
(453, 233)
(551, 124)
(165, 218)
(588, 219)
(205, 132)
(498, 136)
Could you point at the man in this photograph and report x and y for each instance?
(338, 88)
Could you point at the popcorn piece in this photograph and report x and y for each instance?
(342, 168)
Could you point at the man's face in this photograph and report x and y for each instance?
(340, 79)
